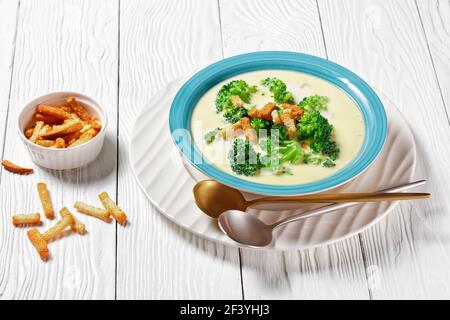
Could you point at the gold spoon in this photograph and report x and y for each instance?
(213, 198)
(248, 230)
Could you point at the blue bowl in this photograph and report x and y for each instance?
(371, 108)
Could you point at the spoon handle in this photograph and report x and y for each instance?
(344, 197)
(333, 207)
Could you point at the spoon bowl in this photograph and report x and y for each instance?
(213, 198)
(245, 228)
(249, 230)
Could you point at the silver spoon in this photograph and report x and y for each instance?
(249, 230)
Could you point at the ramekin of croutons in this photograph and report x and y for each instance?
(63, 130)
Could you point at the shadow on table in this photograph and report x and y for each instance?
(101, 168)
(272, 269)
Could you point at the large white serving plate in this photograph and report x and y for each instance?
(168, 181)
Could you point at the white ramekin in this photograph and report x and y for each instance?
(69, 158)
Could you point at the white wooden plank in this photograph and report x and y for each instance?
(61, 45)
(330, 272)
(408, 253)
(160, 40)
(8, 17)
(435, 17)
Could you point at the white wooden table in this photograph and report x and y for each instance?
(121, 51)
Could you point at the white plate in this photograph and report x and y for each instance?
(168, 182)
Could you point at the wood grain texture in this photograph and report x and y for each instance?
(61, 45)
(408, 253)
(330, 272)
(255, 25)
(73, 45)
(435, 18)
(159, 41)
(8, 19)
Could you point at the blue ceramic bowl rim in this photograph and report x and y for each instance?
(368, 102)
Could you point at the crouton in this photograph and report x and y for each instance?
(295, 110)
(263, 113)
(288, 120)
(242, 126)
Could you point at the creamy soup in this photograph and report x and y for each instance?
(342, 113)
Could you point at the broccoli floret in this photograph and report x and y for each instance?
(314, 103)
(243, 158)
(211, 135)
(279, 90)
(313, 126)
(233, 115)
(266, 146)
(280, 131)
(331, 149)
(274, 155)
(233, 88)
(317, 130)
(270, 162)
(271, 159)
(328, 163)
(290, 150)
(270, 146)
(317, 159)
(259, 124)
